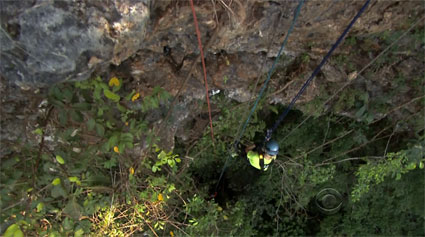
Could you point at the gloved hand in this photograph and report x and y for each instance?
(268, 135)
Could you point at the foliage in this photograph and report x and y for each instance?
(96, 170)
(209, 217)
(165, 158)
(65, 186)
(395, 166)
(395, 207)
(308, 165)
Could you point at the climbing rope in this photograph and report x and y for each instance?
(263, 65)
(315, 72)
(198, 34)
(269, 74)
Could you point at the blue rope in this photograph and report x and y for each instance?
(297, 12)
(315, 72)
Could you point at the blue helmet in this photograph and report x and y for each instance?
(272, 148)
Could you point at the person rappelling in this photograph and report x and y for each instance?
(257, 156)
(251, 161)
(264, 156)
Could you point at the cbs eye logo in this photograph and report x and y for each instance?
(329, 201)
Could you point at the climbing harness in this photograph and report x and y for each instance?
(198, 34)
(262, 168)
(237, 140)
(315, 72)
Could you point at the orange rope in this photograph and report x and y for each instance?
(198, 33)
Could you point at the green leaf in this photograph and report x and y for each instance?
(112, 141)
(178, 160)
(132, 123)
(38, 131)
(74, 179)
(54, 234)
(111, 95)
(110, 163)
(67, 94)
(58, 191)
(121, 108)
(96, 93)
(103, 85)
(100, 130)
(63, 117)
(421, 165)
(56, 103)
(68, 224)
(82, 106)
(162, 155)
(73, 209)
(127, 137)
(60, 160)
(100, 112)
(171, 188)
(109, 125)
(171, 162)
(56, 181)
(121, 147)
(129, 145)
(411, 166)
(274, 109)
(13, 231)
(56, 93)
(79, 233)
(40, 206)
(361, 111)
(90, 124)
(155, 103)
(369, 118)
(76, 115)
(129, 96)
(225, 78)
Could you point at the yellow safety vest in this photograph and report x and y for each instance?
(254, 160)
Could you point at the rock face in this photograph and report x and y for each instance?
(249, 36)
(44, 42)
(47, 42)
(153, 43)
